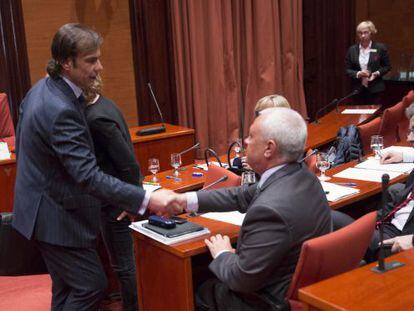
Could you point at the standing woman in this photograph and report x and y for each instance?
(366, 63)
(115, 156)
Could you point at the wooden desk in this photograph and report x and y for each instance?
(175, 139)
(325, 131)
(165, 273)
(362, 289)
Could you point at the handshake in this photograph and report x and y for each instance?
(162, 202)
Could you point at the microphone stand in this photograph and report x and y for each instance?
(221, 179)
(344, 98)
(323, 108)
(189, 149)
(209, 150)
(153, 129)
(308, 156)
(383, 267)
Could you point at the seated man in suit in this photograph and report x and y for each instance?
(285, 208)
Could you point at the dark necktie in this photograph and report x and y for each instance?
(390, 215)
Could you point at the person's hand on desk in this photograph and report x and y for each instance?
(218, 244)
(391, 157)
(400, 243)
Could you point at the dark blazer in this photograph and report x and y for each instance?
(290, 208)
(112, 141)
(57, 179)
(378, 61)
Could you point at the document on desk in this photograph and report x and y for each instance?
(150, 186)
(374, 164)
(359, 111)
(138, 226)
(4, 151)
(235, 217)
(336, 192)
(365, 174)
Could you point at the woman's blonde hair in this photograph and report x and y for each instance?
(94, 89)
(367, 24)
(271, 101)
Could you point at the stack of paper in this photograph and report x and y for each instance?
(137, 226)
(365, 174)
(4, 151)
(336, 192)
(359, 111)
(235, 218)
(374, 164)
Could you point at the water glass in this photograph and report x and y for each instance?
(377, 144)
(154, 168)
(322, 163)
(176, 162)
(248, 177)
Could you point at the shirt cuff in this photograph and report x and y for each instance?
(221, 252)
(192, 202)
(408, 156)
(144, 203)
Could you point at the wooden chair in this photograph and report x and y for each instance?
(389, 123)
(7, 133)
(329, 255)
(215, 172)
(366, 131)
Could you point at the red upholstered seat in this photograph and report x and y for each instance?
(311, 162)
(389, 123)
(26, 293)
(366, 131)
(7, 133)
(215, 172)
(409, 98)
(330, 255)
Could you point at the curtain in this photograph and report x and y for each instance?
(227, 55)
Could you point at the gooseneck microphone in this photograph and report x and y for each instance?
(221, 179)
(335, 102)
(207, 152)
(189, 149)
(315, 151)
(153, 129)
(383, 267)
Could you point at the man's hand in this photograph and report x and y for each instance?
(219, 243)
(400, 243)
(373, 76)
(391, 157)
(126, 214)
(166, 202)
(363, 74)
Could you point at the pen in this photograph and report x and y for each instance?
(151, 183)
(173, 178)
(346, 184)
(326, 192)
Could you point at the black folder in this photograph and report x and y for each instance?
(179, 230)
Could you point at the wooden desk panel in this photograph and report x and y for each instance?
(7, 181)
(325, 131)
(362, 289)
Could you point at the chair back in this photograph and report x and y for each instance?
(366, 131)
(389, 124)
(7, 132)
(332, 254)
(409, 98)
(215, 172)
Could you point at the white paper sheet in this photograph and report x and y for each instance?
(365, 174)
(375, 164)
(235, 218)
(336, 192)
(4, 152)
(149, 187)
(359, 111)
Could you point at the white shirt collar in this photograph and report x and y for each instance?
(76, 89)
(268, 173)
(368, 48)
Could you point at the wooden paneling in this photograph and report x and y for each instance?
(110, 18)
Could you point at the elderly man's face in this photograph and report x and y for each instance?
(410, 134)
(256, 147)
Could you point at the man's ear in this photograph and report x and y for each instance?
(67, 64)
(271, 148)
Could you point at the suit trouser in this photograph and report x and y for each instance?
(78, 279)
(118, 241)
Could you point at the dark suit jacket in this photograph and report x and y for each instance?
(290, 208)
(57, 176)
(112, 141)
(378, 61)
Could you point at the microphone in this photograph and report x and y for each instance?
(221, 179)
(189, 149)
(308, 156)
(335, 102)
(383, 267)
(153, 129)
(209, 150)
(354, 92)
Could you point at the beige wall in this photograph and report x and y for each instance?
(110, 18)
(394, 20)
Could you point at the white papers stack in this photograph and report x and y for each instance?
(235, 218)
(359, 111)
(374, 164)
(150, 188)
(336, 192)
(365, 174)
(4, 152)
(137, 226)
(205, 167)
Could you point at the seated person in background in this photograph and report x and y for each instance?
(287, 207)
(7, 133)
(115, 156)
(400, 243)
